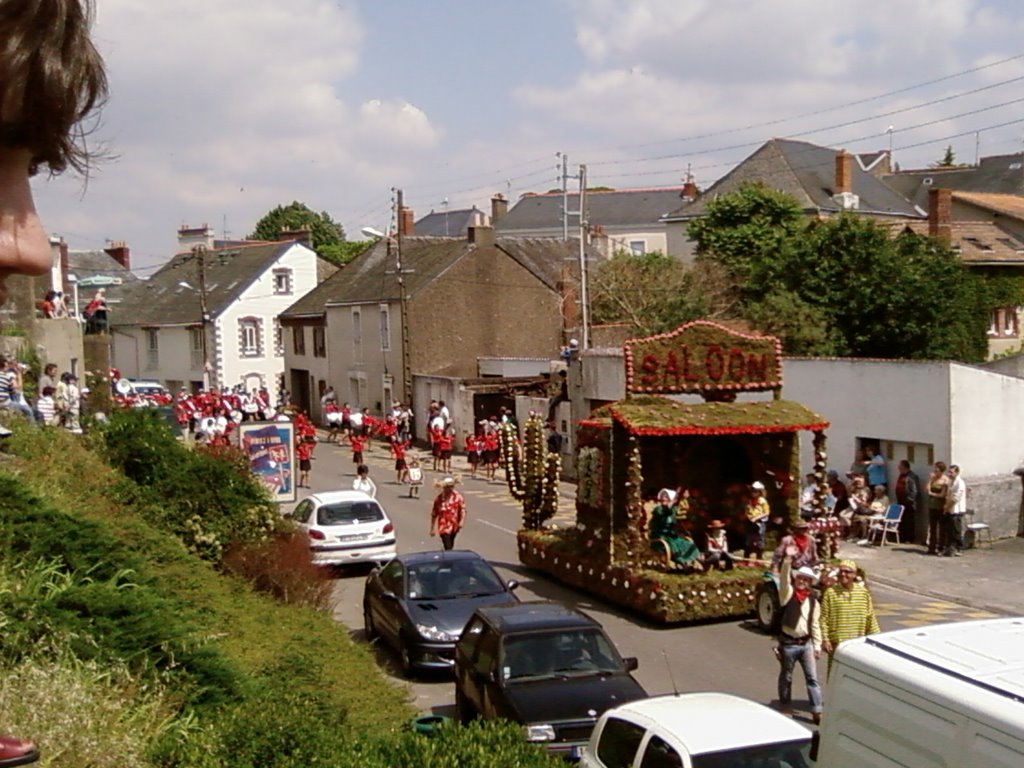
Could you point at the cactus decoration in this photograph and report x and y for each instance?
(532, 473)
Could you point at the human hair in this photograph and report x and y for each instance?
(51, 79)
(362, 469)
(941, 466)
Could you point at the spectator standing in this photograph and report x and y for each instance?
(448, 514)
(956, 508)
(69, 402)
(48, 377)
(908, 491)
(561, 396)
(847, 610)
(96, 313)
(839, 492)
(555, 438)
(48, 306)
(363, 482)
(875, 467)
(800, 638)
(938, 489)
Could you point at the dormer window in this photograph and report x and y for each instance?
(282, 282)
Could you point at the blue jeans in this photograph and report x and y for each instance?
(19, 407)
(789, 655)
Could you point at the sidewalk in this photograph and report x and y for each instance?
(990, 579)
(984, 578)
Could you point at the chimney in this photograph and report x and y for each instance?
(406, 222)
(690, 191)
(499, 207)
(302, 236)
(844, 173)
(599, 240)
(189, 237)
(119, 252)
(480, 236)
(940, 204)
(62, 257)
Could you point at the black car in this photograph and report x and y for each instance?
(419, 603)
(545, 665)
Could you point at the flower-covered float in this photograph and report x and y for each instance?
(713, 449)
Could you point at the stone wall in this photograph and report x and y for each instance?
(996, 500)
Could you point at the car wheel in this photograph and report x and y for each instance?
(767, 606)
(369, 630)
(464, 711)
(405, 658)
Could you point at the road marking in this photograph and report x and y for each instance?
(499, 527)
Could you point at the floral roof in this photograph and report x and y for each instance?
(661, 416)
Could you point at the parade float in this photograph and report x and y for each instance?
(713, 448)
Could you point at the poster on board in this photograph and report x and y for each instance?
(270, 446)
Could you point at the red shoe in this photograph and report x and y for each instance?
(17, 752)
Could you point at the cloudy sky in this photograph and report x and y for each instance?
(221, 110)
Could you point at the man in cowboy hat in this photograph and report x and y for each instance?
(799, 545)
(800, 637)
(448, 514)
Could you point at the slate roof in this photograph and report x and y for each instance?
(613, 209)
(807, 172)
(371, 276)
(1000, 174)
(229, 271)
(450, 223)
(86, 264)
(979, 243)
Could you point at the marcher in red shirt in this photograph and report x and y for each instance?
(358, 443)
(304, 452)
(398, 449)
(445, 443)
(473, 450)
(448, 514)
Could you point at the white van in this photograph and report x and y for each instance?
(944, 695)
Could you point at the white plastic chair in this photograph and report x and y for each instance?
(889, 523)
(978, 528)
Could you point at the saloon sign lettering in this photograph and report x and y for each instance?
(702, 357)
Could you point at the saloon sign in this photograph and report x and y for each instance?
(702, 357)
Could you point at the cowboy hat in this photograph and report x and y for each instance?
(807, 573)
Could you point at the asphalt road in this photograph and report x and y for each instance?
(732, 656)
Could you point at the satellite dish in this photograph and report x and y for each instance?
(123, 387)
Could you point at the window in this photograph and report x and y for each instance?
(638, 247)
(388, 388)
(385, 328)
(250, 337)
(282, 282)
(319, 342)
(356, 386)
(660, 754)
(152, 348)
(278, 338)
(357, 335)
(619, 741)
(1003, 322)
(299, 340)
(195, 348)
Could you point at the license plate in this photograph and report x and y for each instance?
(576, 752)
(355, 537)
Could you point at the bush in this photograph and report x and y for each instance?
(281, 567)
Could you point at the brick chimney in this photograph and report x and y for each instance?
(480, 236)
(406, 222)
(499, 207)
(844, 173)
(689, 192)
(119, 252)
(940, 205)
(599, 240)
(302, 236)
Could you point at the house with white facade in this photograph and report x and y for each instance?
(209, 316)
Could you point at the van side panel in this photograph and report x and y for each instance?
(874, 723)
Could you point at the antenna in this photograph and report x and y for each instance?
(672, 677)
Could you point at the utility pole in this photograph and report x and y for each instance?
(565, 196)
(199, 253)
(403, 305)
(584, 277)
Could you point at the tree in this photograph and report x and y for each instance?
(948, 159)
(325, 233)
(651, 292)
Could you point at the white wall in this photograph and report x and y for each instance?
(174, 356)
(986, 409)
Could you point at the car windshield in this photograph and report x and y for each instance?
(349, 512)
(572, 653)
(452, 579)
(790, 754)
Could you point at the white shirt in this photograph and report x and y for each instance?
(958, 496)
(366, 485)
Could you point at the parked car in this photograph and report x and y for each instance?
(419, 603)
(696, 730)
(345, 527)
(542, 664)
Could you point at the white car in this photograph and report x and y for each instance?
(345, 527)
(696, 730)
